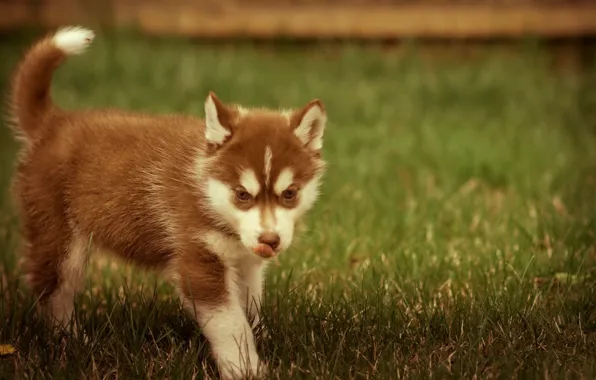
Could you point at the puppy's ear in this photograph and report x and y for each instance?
(218, 122)
(309, 123)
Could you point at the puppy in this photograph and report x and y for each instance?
(208, 201)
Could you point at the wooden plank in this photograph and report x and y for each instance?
(229, 19)
(14, 15)
(373, 22)
(54, 13)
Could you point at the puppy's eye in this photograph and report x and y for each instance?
(289, 194)
(243, 195)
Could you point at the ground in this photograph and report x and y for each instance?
(454, 237)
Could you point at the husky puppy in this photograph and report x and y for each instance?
(207, 201)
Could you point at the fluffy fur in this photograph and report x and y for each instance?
(189, 196)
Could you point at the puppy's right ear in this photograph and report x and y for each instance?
(218, 122)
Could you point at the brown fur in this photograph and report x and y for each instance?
(259, 130)
(31, 87)
(113, 178)
(128, 181)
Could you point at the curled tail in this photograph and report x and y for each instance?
(30, 98)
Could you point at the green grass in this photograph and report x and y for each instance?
(454, 237)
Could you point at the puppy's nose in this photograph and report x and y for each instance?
(270, 238)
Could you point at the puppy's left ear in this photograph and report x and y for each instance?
(309, 123)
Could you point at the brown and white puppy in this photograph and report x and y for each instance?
(207, 201)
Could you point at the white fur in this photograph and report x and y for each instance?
(242, 111)
(72, 273)
(229, 324)
(73, 39)
(219, 196)
(250, 224)
(252, 273)
(229, 249)
(311, 128)
(249, 181)
(287, 114)
(231, 339)
(308, 195)
(229, 333)
(215, 132)
(283, 181)
(268, 221)
(246, 223)
(267, 167)
(250, 267)
(286, 219)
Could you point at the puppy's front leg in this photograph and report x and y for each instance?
(210, 293)
(252, 271)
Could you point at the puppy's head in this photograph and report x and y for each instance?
(262, 169)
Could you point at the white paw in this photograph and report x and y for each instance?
(73, 39)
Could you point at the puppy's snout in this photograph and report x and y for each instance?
(270, 238)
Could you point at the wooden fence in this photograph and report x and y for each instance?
(367, 19)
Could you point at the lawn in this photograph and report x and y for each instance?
(454, 237)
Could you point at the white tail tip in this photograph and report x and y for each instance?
(73, 39)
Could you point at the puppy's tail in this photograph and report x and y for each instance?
(30, 100)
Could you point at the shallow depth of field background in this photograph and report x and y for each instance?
(455, 233)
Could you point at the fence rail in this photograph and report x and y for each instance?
(316, 19)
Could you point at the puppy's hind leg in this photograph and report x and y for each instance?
(71, 273)
(56, 271)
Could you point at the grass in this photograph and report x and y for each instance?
(454, 237)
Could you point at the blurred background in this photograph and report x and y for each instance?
(425, 97)
(458, 216)
(369, 19)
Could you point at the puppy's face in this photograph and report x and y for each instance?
(264, 169)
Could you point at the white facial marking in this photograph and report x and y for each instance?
(311, 128)
(215, 133)
(283, 181)
(286, 219)
(249, 181)
(250, 224)
(268, 221)
(246, 223)
(219, 196)
(267, 166)
(308, 195)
